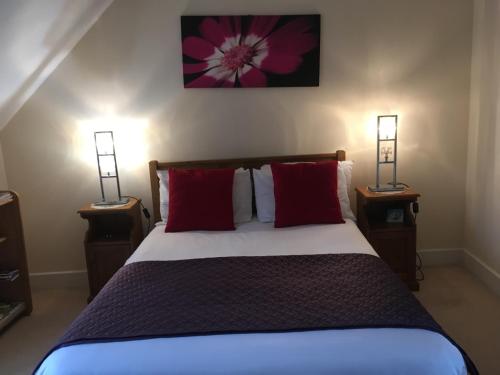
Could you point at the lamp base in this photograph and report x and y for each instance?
(119, 202)
(386, 188)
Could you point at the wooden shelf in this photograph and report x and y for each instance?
(6, 281)
(13, 256)
(17, 311)
(408, 194)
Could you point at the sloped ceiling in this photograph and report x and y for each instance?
(35, 36)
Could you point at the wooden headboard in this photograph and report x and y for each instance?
(246, 163)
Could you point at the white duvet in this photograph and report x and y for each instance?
(350, 351)
(253, 239)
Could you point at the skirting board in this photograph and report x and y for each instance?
(57, 280)
(441, 257)
(482, 271)
(463, 257)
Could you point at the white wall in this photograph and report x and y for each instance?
(35, 36)
(377, 56)
(483, 169)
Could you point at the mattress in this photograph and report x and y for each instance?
(350, 351)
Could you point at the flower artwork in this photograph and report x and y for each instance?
(250, 51)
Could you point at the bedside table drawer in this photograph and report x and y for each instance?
(102, 263)
(393, 248)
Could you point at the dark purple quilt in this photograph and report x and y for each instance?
(250, 294)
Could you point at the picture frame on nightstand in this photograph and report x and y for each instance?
(395, 215)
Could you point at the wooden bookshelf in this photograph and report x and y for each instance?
(13, 257)
(17, 311)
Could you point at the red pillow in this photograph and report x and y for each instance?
(200, 199)
(306, 193)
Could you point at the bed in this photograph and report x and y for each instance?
(349, 350)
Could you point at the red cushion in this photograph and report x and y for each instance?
(200, 199)
(306, 193)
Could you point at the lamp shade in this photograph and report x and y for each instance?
(108, 167)
(387, 145)
(106, 164)
(387, 127)
(104, 143)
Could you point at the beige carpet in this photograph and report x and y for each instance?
(460, 303)
(24, 343)
(468, 311)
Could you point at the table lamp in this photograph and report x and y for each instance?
(387, 140)
(106, 164)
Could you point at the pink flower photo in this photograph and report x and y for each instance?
(250, 51)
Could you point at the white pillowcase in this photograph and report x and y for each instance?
(242, 195)
(264, 191)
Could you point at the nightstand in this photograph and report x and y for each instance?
(113, 235)
(395, 242)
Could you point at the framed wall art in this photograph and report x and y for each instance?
(250, 51)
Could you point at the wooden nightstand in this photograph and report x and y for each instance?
(113, 235)
(394, 242)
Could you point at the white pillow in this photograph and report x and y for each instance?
(264, 191)
(344, 174)
(242, 195)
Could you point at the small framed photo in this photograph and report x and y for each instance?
(395, 215)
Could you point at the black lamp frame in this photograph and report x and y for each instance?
(392, 186)
(121, 200)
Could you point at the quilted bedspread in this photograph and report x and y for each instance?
(250, 294)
